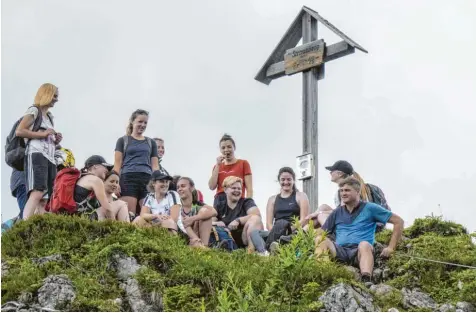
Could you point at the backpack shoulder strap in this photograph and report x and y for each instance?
(174, 197)
(125, 140)
(149, 142)
(38, 120)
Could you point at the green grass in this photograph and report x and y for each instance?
(195, 280)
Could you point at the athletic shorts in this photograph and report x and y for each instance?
(134, 185)
(237, 236)
(39, 173)
(347, 254)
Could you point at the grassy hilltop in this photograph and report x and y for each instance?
(189, 279)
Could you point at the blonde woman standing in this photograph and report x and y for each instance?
(135, 159)
(40, 164)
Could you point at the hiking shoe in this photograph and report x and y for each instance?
(285, 239)
(264, 253)
(366, 280)
(274, 247)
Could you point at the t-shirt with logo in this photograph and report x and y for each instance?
(228, 215)
(163, 206)
(360, 225)
(45, 146)
(239, 169)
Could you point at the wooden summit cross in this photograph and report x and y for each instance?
(309, 58)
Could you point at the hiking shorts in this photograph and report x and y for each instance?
(39, 173)
(134, 185)
(237, 235)
(347, 254)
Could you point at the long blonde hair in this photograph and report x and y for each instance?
(364, 189)
(134, 115)
(44, 95)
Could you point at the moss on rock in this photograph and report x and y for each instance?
(196, 280)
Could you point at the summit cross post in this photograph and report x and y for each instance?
(310, 59)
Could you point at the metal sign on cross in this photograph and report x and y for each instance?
(310, 59)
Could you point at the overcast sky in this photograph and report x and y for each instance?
(403, 114)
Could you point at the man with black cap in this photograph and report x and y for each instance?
(339, 171)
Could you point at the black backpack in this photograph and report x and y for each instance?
(15, 146)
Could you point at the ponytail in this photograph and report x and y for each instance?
(129, 129)
(364, 189)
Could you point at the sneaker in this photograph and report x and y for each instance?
(264, 253)
(274, 247)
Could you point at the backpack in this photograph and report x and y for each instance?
(377, 196)
(62, 198)
(221, 238)
(126, 143)
(15, 146)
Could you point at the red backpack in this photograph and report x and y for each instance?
(62, 198)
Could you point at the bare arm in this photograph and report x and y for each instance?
(175, 212)
(398, 223)
(270, 213)
(97, 186)
(146, 214)
(23, 130)
(213, 181)
(118, 161)
(249, 186)
(304, 207)
(205, 213)
(251, 211)
(155, 163)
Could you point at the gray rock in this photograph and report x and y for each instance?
(447, 307)
(459, 310)
(5, 268)
(140, 302)
(25, 297)
(417, 299)
(465, 306)
(381, 289)
(355, 271)
(47, 259)
(56, 293)
(393, 310)
(345, 298)
(385, 274)
(377, 275)
(125, 266)
(118, 301)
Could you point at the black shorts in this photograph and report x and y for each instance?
(39, 173)
(347, 254)
(134, 185)
(237, 236)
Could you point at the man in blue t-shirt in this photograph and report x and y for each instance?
(352, 227)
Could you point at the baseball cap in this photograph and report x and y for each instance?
(97, 160)
(159, 175)
(342, 166)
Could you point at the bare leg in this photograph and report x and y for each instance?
(366, 257)
(41, 207)
(325, 210)
(139, 221)
(323, 246)
(170, 225)
(204, 229)
(253, 223)
(123, 213)
(33, 201)
(131, 203)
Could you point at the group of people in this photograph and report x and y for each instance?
(137, 189)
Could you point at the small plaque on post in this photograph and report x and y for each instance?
(305, 166)
(304, 57)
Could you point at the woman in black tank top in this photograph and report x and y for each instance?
(281, 211)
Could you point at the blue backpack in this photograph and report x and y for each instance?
(221, 238)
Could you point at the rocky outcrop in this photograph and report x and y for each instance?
(47, 259)
(56, 293)
(346, 298)
(413, 299)
(138, 300)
